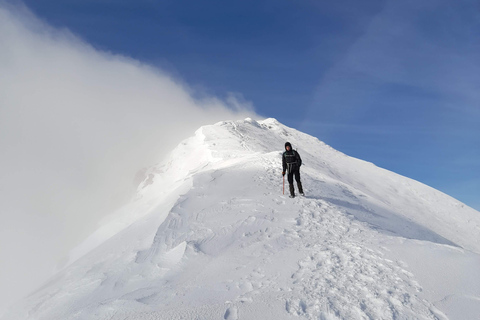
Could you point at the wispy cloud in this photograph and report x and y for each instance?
(76, 124)
(428, 49)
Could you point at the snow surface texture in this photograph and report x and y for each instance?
(211, 236)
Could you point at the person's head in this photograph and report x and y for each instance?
(288, 146)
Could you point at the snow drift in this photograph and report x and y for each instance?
(211, 236)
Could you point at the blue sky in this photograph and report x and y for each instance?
(396, 83)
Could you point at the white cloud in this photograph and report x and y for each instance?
(75, 126)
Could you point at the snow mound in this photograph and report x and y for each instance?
(211, 236)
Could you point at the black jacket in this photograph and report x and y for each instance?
(291, 160)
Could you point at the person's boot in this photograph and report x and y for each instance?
(300, 188)
(292, 191)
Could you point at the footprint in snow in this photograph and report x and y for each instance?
(231, 313)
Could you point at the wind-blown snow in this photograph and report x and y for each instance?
(211, 236)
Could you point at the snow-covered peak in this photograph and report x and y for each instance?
(379, 197)
(210, 235)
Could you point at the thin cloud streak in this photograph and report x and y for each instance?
(404, 46)
(76, 124)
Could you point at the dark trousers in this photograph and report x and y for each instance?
(295, 172)
(291, 173)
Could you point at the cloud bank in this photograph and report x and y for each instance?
(76, 124)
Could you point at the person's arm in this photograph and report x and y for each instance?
(284, 164)
(299, 160)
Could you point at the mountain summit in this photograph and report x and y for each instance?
(210, 235)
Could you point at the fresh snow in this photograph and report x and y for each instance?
(211, 236)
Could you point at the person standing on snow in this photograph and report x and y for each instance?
(291, 160)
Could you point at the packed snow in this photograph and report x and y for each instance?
(210, 235)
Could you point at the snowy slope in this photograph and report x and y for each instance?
(210, 236)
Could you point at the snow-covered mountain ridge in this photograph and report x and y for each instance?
(210, 236)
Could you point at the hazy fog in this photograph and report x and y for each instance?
(76, 124)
